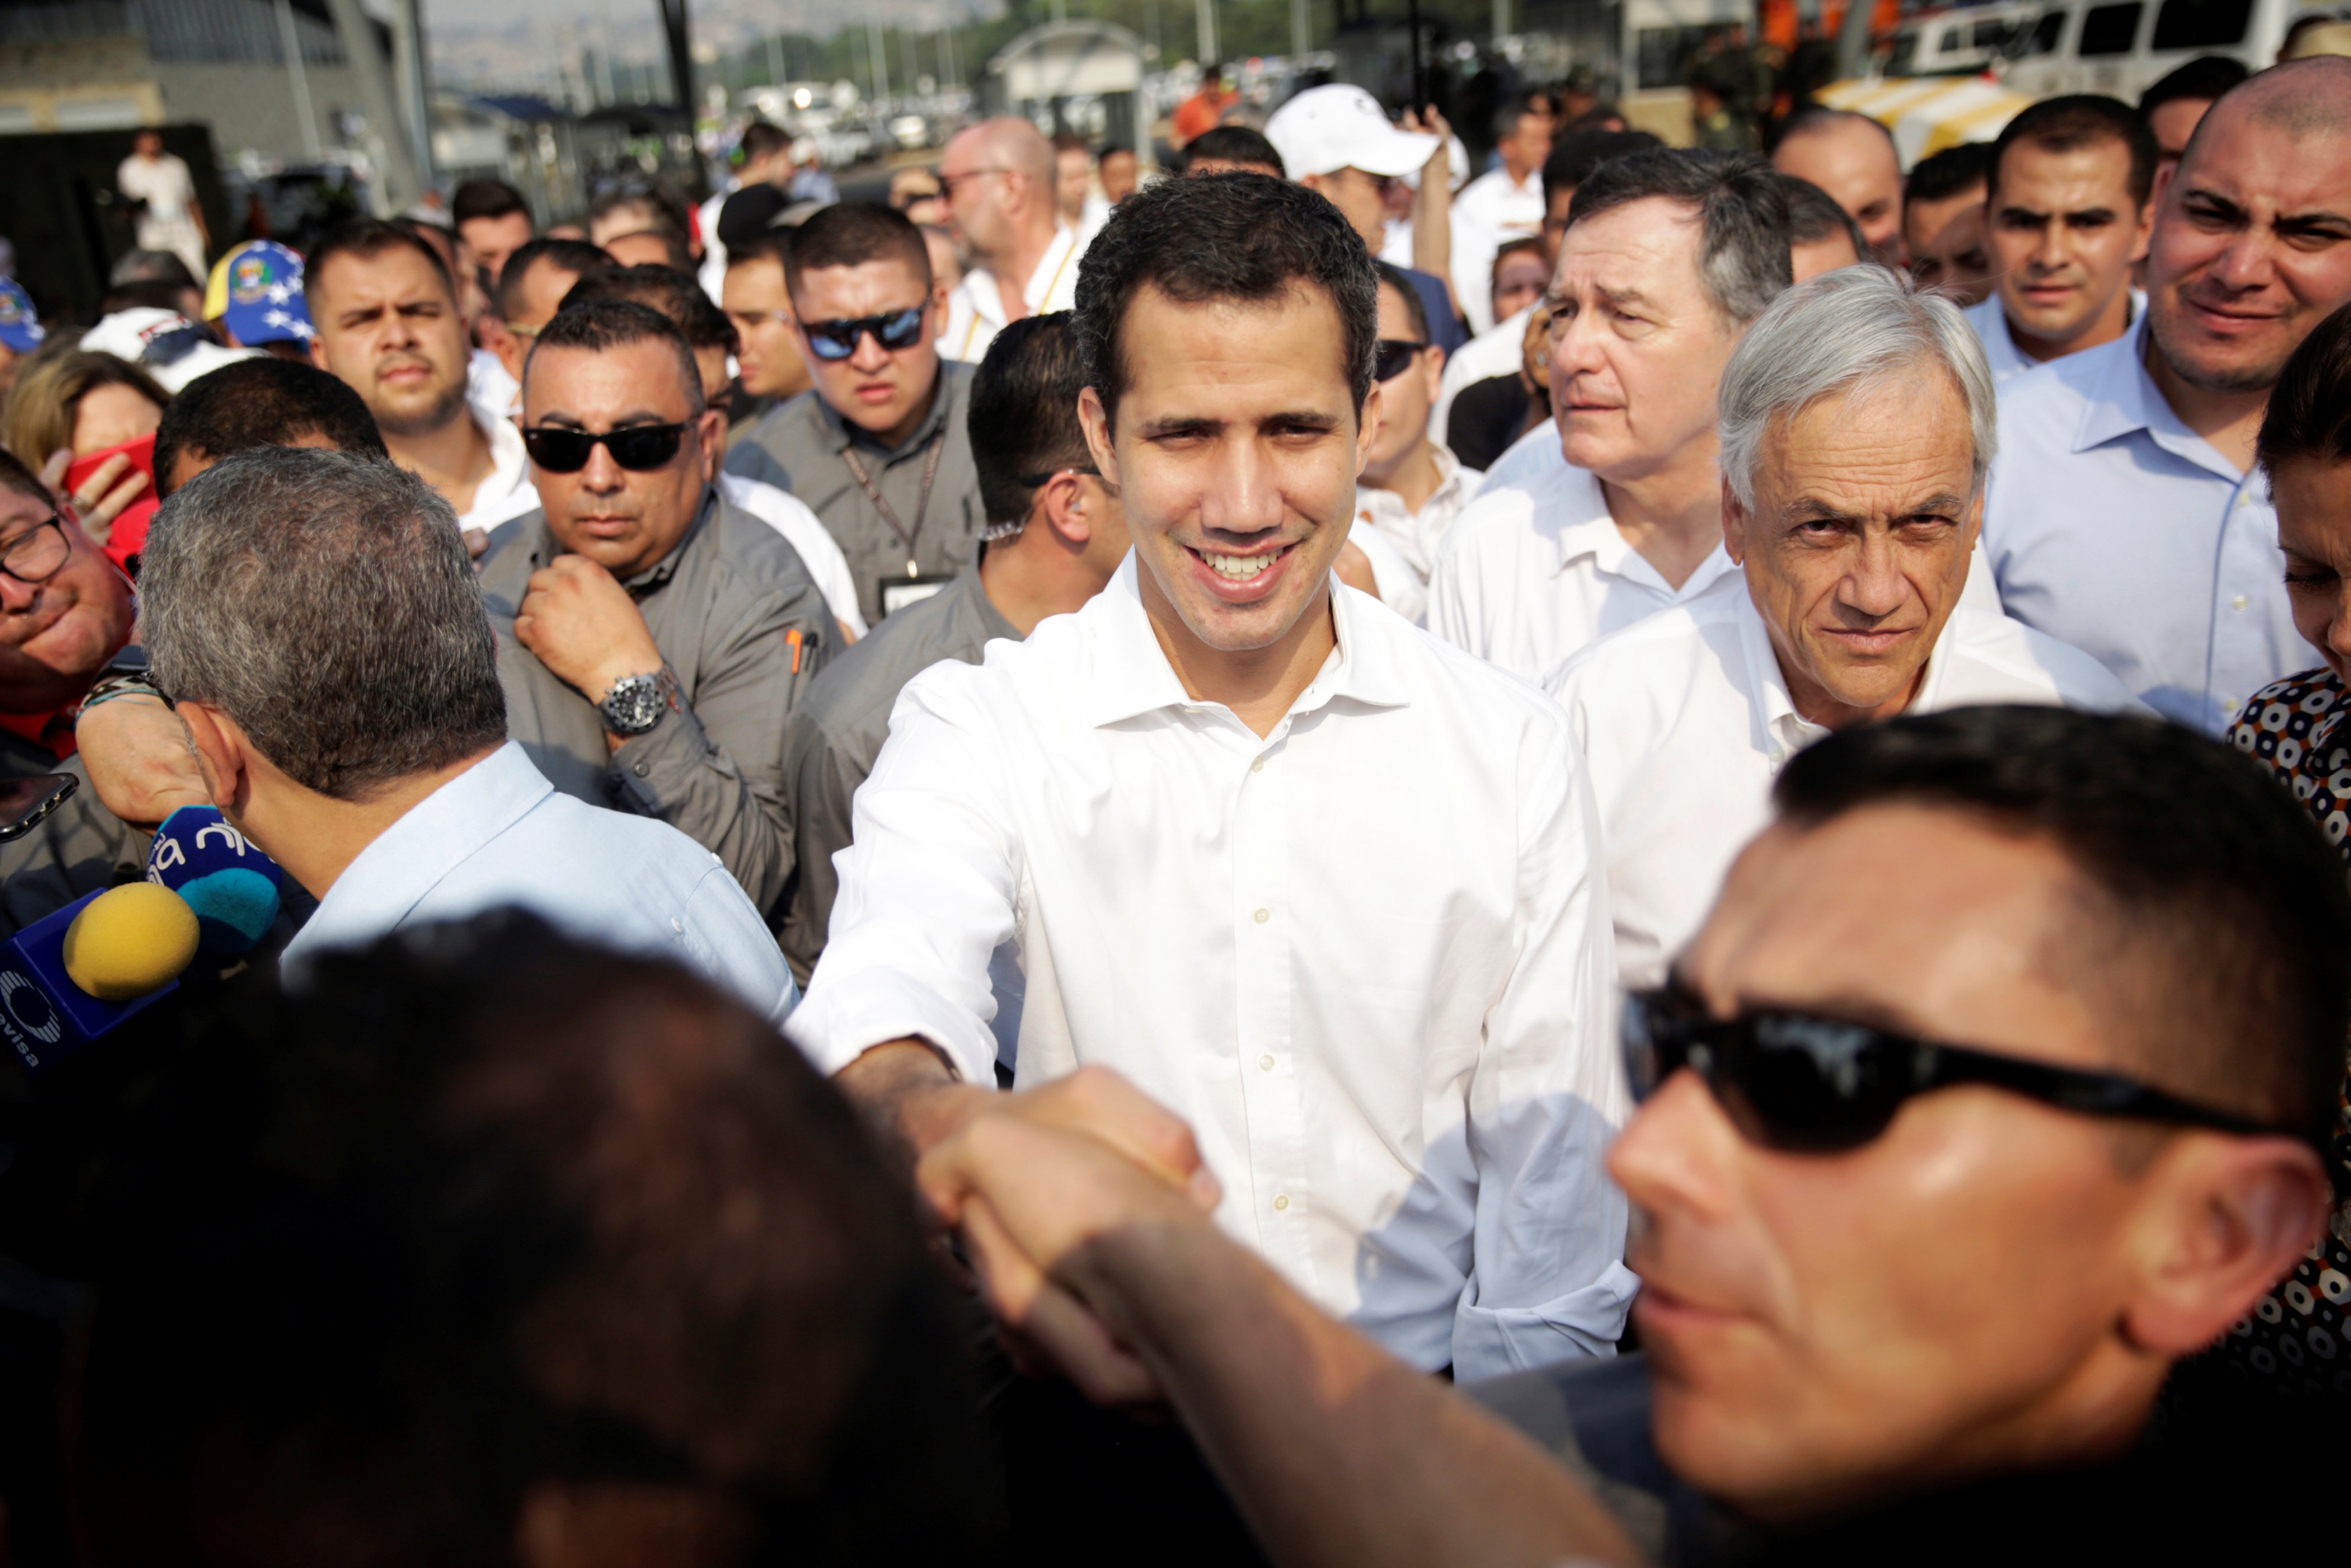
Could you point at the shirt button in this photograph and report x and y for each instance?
(641, 769)
(1263, 915)
(1282, 1201)
(2239, 602)
(1258, 766)
(677, 925)
(1266, 1062)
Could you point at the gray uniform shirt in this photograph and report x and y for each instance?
(809, 440)
(744, 630)
(837, 731)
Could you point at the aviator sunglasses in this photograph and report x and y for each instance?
(636, 447)
(1805, 1083)
(833, 341)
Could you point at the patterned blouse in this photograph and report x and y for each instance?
(2295, 1337)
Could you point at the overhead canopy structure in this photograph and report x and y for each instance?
(1063, 65)
(1066, 59)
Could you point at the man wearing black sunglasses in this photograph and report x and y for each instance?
(1994, 1087)
(653, 636)
(877, 448)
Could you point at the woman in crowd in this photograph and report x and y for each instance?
(75, 405)
(2295, 1339)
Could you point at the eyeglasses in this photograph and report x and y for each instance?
(1393, 356)
(35, 556)
(636, 447)
(947, 183)
(835, 340)
(1806, 1084)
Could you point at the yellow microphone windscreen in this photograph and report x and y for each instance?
(129, 940)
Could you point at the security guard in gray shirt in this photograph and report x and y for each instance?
(877, 448)
(652, 639)
(1056, 536)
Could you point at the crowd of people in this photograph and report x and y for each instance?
(1314, 861)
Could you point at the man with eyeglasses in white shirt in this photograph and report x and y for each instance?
(1857, 422)
(1000, 178)
(1392, 1049)
(1668, 255)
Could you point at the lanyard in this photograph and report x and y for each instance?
(906, 536)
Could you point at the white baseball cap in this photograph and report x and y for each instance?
(1342, 127)
(166, 344)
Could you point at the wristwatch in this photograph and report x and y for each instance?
(636, 703)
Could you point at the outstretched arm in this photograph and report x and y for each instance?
(1337, 1453)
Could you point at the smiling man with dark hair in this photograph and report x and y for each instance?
(1393, 1047)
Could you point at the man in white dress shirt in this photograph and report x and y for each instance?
(1857, 423)
(1000, 178)
(1413, 486)
(385, 308)
(2125, 515)
(1668, 255)
(1393, 1049)
(314, 618)
(2068, 210)
(1504, 202)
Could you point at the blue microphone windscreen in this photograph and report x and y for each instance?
(233, 887)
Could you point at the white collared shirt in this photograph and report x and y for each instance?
(1495, 351)
(1529, 577)
(1532, 460)
(508, 492)
(1417, 535)
(975, 312)
(1396, 1049)
(1685, 719)
(498, 834)
(805, 533)
(2111, 526)
(1488, 210)
(2008, 361)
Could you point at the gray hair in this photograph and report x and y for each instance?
(1857, 327)
(1742, 207)
(325, 601)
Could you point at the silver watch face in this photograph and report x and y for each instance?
(633, 706)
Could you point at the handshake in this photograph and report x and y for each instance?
(1070, 1201)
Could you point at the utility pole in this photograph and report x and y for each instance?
(877, 55)
(1205, 14)
(299, 79)
(409, 72)
(1301, 28)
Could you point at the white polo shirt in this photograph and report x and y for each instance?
(1418, 535)
(1529, 577)
(975, 312)
(1395, 1048)
(1685, 719)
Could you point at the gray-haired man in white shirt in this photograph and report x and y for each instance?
(1858, 424)
(1668, 255)
(1177, 806)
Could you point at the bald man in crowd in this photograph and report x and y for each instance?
(1850, 157)
(2126, 515)
(999, 177)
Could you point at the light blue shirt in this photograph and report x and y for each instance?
(499, 835)
(2111, 526)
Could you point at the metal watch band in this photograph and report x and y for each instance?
(636, 703)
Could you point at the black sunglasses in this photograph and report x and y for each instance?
(838, 339)
(636, 447)
(1392, 356)
(1802, 1083)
